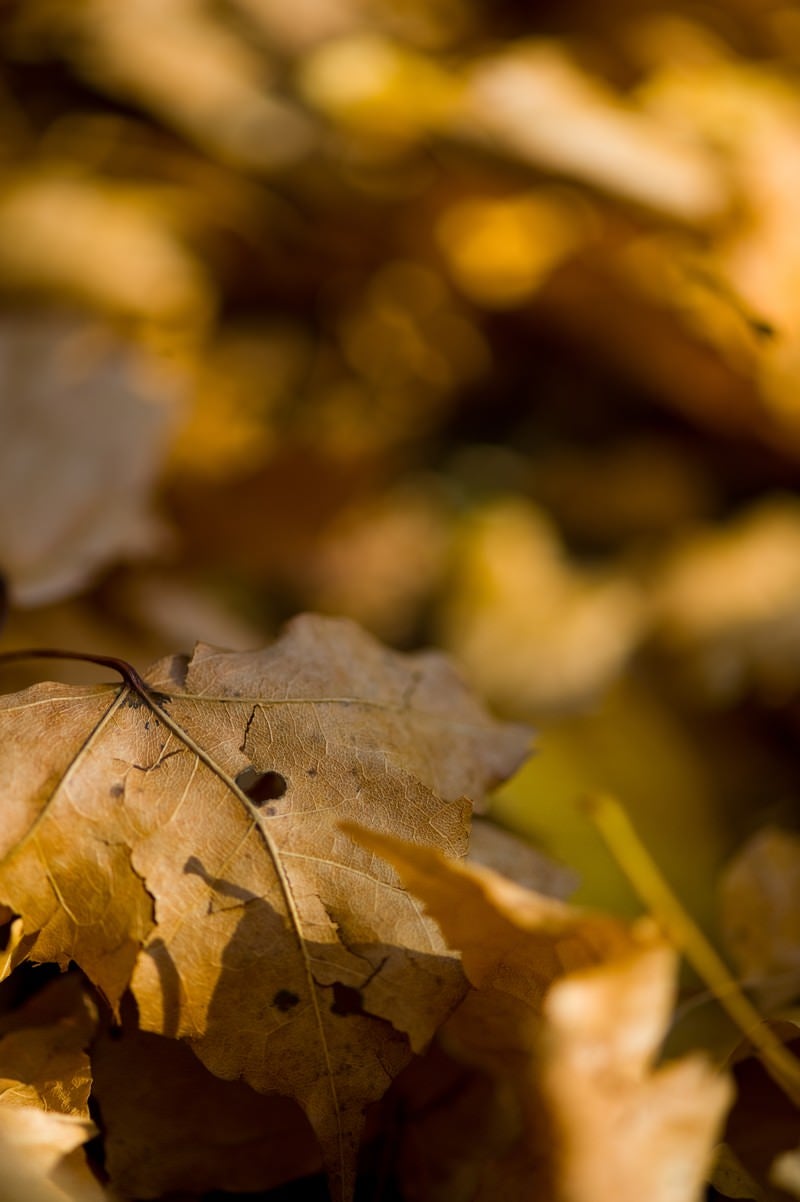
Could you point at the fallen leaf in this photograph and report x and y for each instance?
(763, 1126)
(99, 245)
(183, 65)
(43, 1051)
(183, 838)
(760, 904)
(85, 418)
(536, 103)
(45, 1081)
(38, 1150)
(785, 1172)
(573, 1006)
(732, 1180)
(170, 1126)
(447, 1119)
(504, 852)
(623, 1128)
(9, 955)
(726, 600)
(534, 631)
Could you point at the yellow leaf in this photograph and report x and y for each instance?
(573, 1006)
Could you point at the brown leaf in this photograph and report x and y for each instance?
(571, 1007)
(187, 841)
(537, 104)
(188, 70)
(726, 601)
(45, 1081)
(40, 1151)
(760, 900)
(84, 432)
(624, 1129)
(501, 850)
(43, 1051)
(170, 1126)
(763, 1126)
(533, 631)
(86, 241)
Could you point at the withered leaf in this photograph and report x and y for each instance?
(571, 1007)
(89, 414)
(170, 1127)
(759, 896)
(42, 1157)
(43, 1050)
(184, 841)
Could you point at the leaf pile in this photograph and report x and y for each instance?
(203, 846)
(476, 324)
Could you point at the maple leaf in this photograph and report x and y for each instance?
(181, 838)
(571, 1006)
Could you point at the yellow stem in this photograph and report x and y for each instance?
(641, 870)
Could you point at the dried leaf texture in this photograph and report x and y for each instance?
(44, 1060)
(45, 1079)
(170, 1126)
(186, 842)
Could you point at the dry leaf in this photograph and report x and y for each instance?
(727, 600)
(185, 841)
(43, 1051)
(534, 101)
(85, 240)
(170, 1126)
(42, 1157)
(763, 1126)
(785, 1172)
(45, 1081)
(622, 1128)
(11, 955)
(573, 1006)
(760, 901)
(533, 630)
(732, 1180)
(84, 432)
(178, 62)
(504, 852)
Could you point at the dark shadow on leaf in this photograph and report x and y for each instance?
(170, 983)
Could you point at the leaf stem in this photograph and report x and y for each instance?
(641, 870)
(121, 666)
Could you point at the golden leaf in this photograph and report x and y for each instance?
(182, 838)
(572, 1006)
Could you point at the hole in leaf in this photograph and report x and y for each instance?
(261, 786)
(285, 1000)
